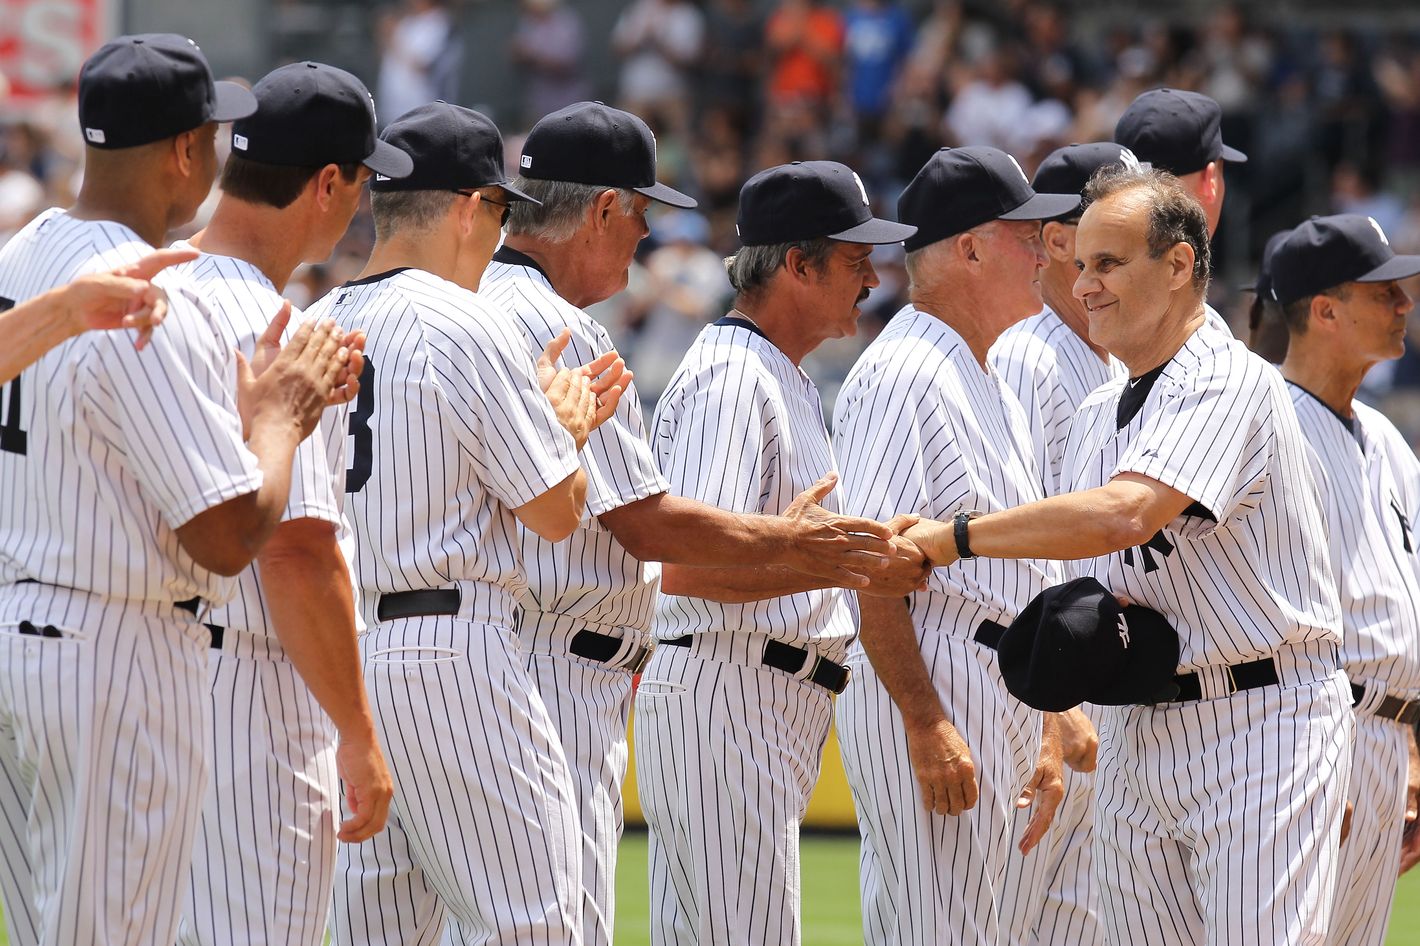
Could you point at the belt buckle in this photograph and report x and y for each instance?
(1232, 681)
(847, 679)
(1400, 713)
(640, 657)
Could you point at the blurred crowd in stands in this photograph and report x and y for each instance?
(1330, 119)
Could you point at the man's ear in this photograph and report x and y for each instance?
(1181, 260)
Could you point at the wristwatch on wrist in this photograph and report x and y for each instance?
(959, 528)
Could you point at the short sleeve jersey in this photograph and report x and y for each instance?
(106, 450)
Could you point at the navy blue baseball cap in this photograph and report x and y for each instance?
(807, 200)
(1175, 131)
(1263, 284)
(1067, 170)
(1074, 644)
(452, 148)
(309, 114)
(961, 188)
(1325, 252)
(592, 143)
(139, 89)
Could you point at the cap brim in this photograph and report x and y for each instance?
(388, 160)
(667, 195)
(1397, 267)
(1044, 207)
(515, 194)
(876, 232)
(231, 102)
(1233, 155)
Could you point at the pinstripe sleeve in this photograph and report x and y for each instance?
(170, 412)
(618, 460)
(509, 429)
(723, 440)
(1212, 441)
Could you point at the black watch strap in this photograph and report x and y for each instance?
(959, 532)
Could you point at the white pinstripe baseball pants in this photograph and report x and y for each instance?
(483, 835)
(102, 768)
(1217, 820)
(1370, 856)
(589, 706)
(264, 861)
(727, 754)
(1048, 898)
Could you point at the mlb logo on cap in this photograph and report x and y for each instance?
(239, 142)
(95, 135)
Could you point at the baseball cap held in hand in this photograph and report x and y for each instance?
(1074, 644)
(139, 89)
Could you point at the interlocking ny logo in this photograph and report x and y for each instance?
(1159, 544)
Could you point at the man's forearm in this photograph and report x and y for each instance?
(274, 445)
(314, 618)
(31, 329)
(890, 641)
(737, 585)
(680, 531)
(1071, 526)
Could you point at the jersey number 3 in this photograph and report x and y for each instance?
(12, 438)
(362, 462)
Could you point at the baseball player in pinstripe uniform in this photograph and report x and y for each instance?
(285, 670)
(1336, 279)
(129, 497)
(1180, 132)
(735, 704)
(123, 298)
(585, 619)
(925, 425)
(483, 837)
(1218, 809)
(1050, 364)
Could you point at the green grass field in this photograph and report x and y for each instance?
(830, 865)
(831, 895)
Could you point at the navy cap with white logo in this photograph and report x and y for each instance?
(807, 200)
(139, 89)
(1175, 131)
(309, 115)
(1067, 170)
(1073, 644)
(1325, 252)
(961, 188)
(592, 143)
(452, 147)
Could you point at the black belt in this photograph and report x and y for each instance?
(1245, 676)
(602, 648)
(190, 605)
(216, 633)
(416, 604)
(1392, 707)
(989, 633)
(827, 674)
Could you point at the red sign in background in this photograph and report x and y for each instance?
(44, 42)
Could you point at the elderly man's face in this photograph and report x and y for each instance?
(1125, 292)
(844, 282)
(1013, 257)
(1371, 319)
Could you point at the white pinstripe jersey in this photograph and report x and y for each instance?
(740, 426)
(1370, 486)
(449, 433)
(1051, 370)
(590, 577)
(922, 428)
(1215, 319)
(120, 447)
(1217, 425)
(244, 301)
